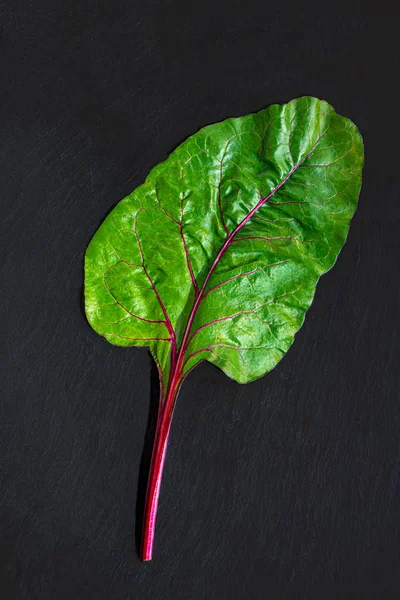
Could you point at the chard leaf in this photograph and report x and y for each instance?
(217, 255)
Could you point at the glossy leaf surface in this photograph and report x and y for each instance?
(217, 255)
(301, 165)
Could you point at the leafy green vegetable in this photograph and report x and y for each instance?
(217, 255)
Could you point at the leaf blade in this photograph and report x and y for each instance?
(262, 203)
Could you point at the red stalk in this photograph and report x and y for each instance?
(164, 418)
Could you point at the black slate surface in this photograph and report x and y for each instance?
(287, 488)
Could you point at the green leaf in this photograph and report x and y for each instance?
(217, 255)
(271, 195)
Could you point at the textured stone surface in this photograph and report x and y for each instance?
(287, 488)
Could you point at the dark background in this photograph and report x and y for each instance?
(287, 488)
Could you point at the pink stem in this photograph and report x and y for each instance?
(165, 412)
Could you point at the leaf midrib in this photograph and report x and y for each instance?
(177, 360)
